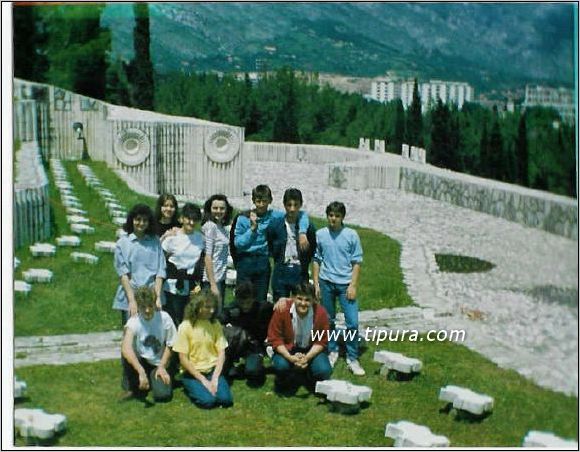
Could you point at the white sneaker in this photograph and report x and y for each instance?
(355, 367)
(333, 358)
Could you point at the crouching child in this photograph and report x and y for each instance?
(298, 333)
(146, 350)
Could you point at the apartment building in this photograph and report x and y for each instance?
(561, 99)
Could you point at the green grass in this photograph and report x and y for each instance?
(82, 293)
(260, 418)
(454, 263)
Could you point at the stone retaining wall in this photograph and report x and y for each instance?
(533, 208)
(31, 202)
(308, 153)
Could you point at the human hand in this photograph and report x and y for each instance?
(280, 305)
(143, 381)
(317, 290)
(351, 292)
(133, 308)
(158, 302)
(253, 220)
(161, 373)
(303, 243)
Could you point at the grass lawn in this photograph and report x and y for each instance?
(79, 300)
(83, 293)
(261, 418)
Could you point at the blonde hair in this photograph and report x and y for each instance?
(197, 302)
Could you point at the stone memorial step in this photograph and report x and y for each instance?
(63, 184)
(16, 263)
(43, 249)
(76, 219)
(22, 287)
(69, 203)
(71, 198)
(397, 362)
(68, 240)
(119, 221)
(536, 439)
(466, 399)
(40, 275)
(19, 388)
(108, 247)
(82, 228)
(35, 423)
(343, 395)
(114, 205)
(411, 435)
(84, 257)
(75, 211)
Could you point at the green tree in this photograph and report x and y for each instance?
(141, 72)
(29, 39)
(440, 152)
(399, 130)
(285, 122)
(415, 119)
(522, 152)
(483, 167)
(496, 156)
(77, 48)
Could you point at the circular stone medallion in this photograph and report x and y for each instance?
(221, 145)
(132, 146)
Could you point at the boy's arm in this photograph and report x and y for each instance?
(129, 354)
(315, 273)
(303, 224)
(245, 233)
(161, 371)
(351, 289)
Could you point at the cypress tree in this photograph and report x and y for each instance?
(522, 153)
(142, 68)
(415, 119)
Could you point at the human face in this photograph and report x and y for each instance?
(261, 205)
(167, 211)
(147, 312)
(334, 220)
(292, 208)
(187, 224)
(246, 304)
(218, 210)
(206, 311)
(302, 303)
(140, 225)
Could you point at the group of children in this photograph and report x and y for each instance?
(172, 290)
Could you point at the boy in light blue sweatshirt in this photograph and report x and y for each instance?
(251, 247)
(335, 271)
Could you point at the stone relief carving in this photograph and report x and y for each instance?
(132, 146)
(222, 145)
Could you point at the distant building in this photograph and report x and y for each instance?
(561, 99)
(392, 88)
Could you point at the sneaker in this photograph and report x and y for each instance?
(355, 367)
(333, 358)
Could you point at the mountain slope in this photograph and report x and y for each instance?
(487, 44)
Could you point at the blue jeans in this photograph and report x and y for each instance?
(328, 294)
(161, 392)
(318, 369)
(284, 279)
(255, 269)
(175, 306)
(202, 397)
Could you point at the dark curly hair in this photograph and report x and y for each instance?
(207, 209)
(140, 210)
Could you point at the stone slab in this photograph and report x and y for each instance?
(84, 257)
(20, 388)
(409, 434)
(466, 399)
(108, 247)
(22, 287)
(398, 362)
(36, 423)
(82, 228)
(40, 275)
(343, 391)
(76, 219)
(536, 438)
(43, 249)
(68, 240)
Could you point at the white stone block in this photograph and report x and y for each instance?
(108, 247)
(82, 228)
(398, 362)
(84, 257)
(16, 263)
(69, 203)
(94, 182)
(231, 276)
(66, 191)
(405, 151)
(113, 205)
(408, 434)
(68, 240)
(63, 184)
(71, 198)
(41, 275)
(119, 221)
(536, 438)
(105, 192)
(76, 219)
(43, 249)
(343, 391)
(22, 287)
(120, 233)
(75, 211)
(230, 261)
(19, 388)
(35, 423)
(465, 399)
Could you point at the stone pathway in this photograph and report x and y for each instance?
(527, 305)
